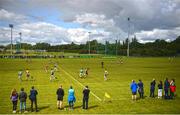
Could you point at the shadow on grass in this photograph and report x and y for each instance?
(39, 108)
(92, 107)
(80, 106)
(76, 107)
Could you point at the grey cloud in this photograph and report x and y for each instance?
(146, 15)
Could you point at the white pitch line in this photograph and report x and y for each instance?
(80, 83)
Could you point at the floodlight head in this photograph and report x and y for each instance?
(20, 33)
(11, 25)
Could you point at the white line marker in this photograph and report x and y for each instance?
(79, 83)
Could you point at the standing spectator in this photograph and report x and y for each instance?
(14, 99)
(134, 87)
(71, 98)
(166, 88)
(22, 98)
(141, 88)
(60, 95)
(160, 87)
(86, 92)
(32, 97)
(152, 88)
(172, 88)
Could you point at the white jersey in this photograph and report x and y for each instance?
(105, 73)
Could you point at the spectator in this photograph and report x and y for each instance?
(134, 87)
(166, 88)
(152, 88)
(141, 88)
(60, 95)
(22, 98)
(86, 92)
(172, 88)
(14, 99)
(32, 97)
(160, 87)
(71, 98)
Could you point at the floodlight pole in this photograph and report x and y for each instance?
(11, 26)
(89, 44)
(20, 39)
(116, 47)
(128, 37)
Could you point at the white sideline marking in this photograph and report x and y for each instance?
(80, 83)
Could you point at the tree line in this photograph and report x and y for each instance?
(157, 48)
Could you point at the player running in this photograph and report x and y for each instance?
(20, 75)
(55, 67)
(27, 74)
(81, 74)
(105, 75)
(86, 72)
(52, 77)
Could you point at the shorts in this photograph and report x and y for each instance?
(60, 98)
(133, 93)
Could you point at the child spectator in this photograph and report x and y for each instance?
(14, 99)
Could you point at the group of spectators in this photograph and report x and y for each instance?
(169, 89)
(22, 97)
(71, 97)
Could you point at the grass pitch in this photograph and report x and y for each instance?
(118, 85)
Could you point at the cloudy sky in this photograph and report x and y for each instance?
(66, 21)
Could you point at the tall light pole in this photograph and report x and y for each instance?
(128, 37)
(20, 34)
(11, 26)
(89, 44)
(116, 47)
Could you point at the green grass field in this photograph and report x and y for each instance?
(118, 85)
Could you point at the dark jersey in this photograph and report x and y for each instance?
(86, 93)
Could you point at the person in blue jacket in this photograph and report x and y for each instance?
(134, 88)
(33, 98)
(71, 98)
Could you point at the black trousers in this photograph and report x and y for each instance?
(35, 102)
(166, 92)
(141, 93)
(85, 103)
(152, 92)
(14, 105)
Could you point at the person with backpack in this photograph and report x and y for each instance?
(22, 98)
(14, 99)
(33, 98)
(60, 95)
(86, 92)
